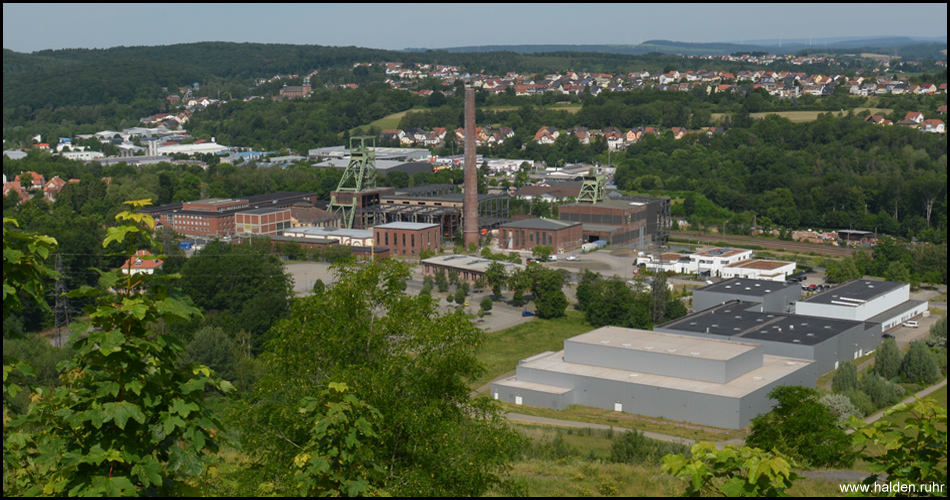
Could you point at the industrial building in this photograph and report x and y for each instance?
(870, 300)
(409, 239)
(773, 296)
(262, 221)
(525, 234)
(825, 341)
(440, 204)
(215, 217)
(468, 267)
(634, 222)
(715, 382)
(348, 237)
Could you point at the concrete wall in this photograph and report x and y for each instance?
(662, 363)
(703, 409)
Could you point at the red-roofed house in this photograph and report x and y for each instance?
(934, 126)
(16, 187)
(31, 181)
(143, 262)
(53, 187)
(915, 117)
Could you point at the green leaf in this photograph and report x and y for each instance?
(149, 471)
(118, 234)
(121, 412)
(182, 408)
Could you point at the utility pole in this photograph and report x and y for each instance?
(61, 308)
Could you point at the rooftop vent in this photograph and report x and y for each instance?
(796, 341)
(671, 350)
(648, 347)
(626, 345)
(634, 374)
(604, 341)
(757, 378)
(695, 353)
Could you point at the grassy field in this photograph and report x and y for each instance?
(388, 122)
(576, 463)
(505, 348)
(630, 421)
(805, 116)
(392, 121)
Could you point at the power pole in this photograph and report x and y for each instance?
(61, 311)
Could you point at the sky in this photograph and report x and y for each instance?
(37, 26)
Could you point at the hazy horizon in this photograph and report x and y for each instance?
(397, 27)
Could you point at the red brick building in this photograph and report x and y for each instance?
(409, 239)
(266, 221)
(563, 236)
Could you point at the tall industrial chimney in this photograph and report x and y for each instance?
(470, 204)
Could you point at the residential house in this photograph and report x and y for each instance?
(679, 132)
(31, 181)
(878, 120)
(546, 135)
(16, 187)
(915, 117)
(142, 262)
(934, 126)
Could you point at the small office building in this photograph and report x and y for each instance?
(706, 381)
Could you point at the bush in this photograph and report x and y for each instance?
(887, 361)
(803, 428)
(881, 392)
(919, 365)
(862, 402)
(845, 378)
(632, 447)
(840, 406)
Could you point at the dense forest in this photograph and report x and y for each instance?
(70, 91)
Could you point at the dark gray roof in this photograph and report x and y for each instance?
(739, 320)
(540, 224)
(747, 287)
(855, 292)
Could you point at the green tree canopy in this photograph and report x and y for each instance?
(919, 365)
(845, 378)
(248, 285)
(399, 356)
(802, 427)
(887, 361)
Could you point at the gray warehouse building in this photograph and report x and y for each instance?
(825, 341)
(878, 301)
(715, 382)
(774, 296)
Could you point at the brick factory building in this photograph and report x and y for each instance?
(409, 239)
(525, 234)
(265, 221)
(629, 222)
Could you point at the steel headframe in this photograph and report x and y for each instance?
(360, 174)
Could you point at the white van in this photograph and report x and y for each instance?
(911, 324)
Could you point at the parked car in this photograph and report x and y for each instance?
(887, 336)
(572, 257)
(527, 313)
(911, 324)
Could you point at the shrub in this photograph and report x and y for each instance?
(887, 361)
(862, 402)
(632, 447)
(845, 378)
(919, 365)
(840, 406)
